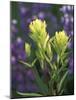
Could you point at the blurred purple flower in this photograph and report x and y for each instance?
(13, 60)
(14, 29)
(14, 21)
(20, 87)
(41, 15)
(67, 18)
(30, 75)
(71, 65)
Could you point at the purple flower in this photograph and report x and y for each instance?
(41, 15)
(71, 65)
(13, 60)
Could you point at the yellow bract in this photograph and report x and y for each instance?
(37, 26)
(61, 38)
(38, 32)
(41, 38)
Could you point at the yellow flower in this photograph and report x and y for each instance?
(38, 31)
(60, 41)
(37, 26)
(41, 38)
(61, 38)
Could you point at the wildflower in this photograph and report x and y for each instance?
(38, 26)
(60, 41)
(61, 38)
(38, 31)
(41, 39)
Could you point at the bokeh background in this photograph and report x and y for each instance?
(57, 17)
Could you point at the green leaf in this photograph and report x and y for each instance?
(33, 63)
(25, 63)
(62, 81)
(48, 61)
(65, 56)
(49, 51)
(55, 47)
(51, 39)
(27, 49)
(64, 49)
(42, 86)
(61, 69)
(41, 63)
(61, 92)
(45, 42)
(55, 67)
(29, 94)
(39, 54)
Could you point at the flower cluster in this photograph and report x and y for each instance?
(42, 56)
(57, 17)
(38, 35)
(60, 41)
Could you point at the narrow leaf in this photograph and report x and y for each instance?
(61, 92)
(29, 94)
(28, 49)
(34, 62)
(48, 61)
(62, 80)
(27, 64)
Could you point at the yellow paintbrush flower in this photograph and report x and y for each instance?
(37, 26)
(61, 38)
(60, 41)
(38, 31)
